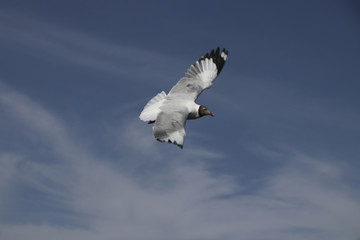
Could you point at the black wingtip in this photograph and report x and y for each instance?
(169, 141)
(218, 57)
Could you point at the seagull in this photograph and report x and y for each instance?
(170, 111)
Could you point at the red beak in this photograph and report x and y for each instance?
(211, 114)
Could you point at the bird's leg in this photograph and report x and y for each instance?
(151, 121)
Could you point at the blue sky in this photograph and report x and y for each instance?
(279, 161)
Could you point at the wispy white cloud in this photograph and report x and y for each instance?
(174, 197)
(45, 231)
(8, 170)
(314, 188)
(88, 51)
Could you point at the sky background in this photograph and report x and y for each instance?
(280, 161)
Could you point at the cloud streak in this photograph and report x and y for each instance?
(75, 48)
(177, 198)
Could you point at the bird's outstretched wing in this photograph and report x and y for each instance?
(170, 124)
(200, 75)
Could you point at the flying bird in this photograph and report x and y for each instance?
(170, 111)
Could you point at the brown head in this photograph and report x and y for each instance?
(205, 111)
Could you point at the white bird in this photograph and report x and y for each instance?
(170, 111)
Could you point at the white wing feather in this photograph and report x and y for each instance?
(152, 108)
(200, 75)
(170, 123)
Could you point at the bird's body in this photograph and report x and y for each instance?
(170, 111)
